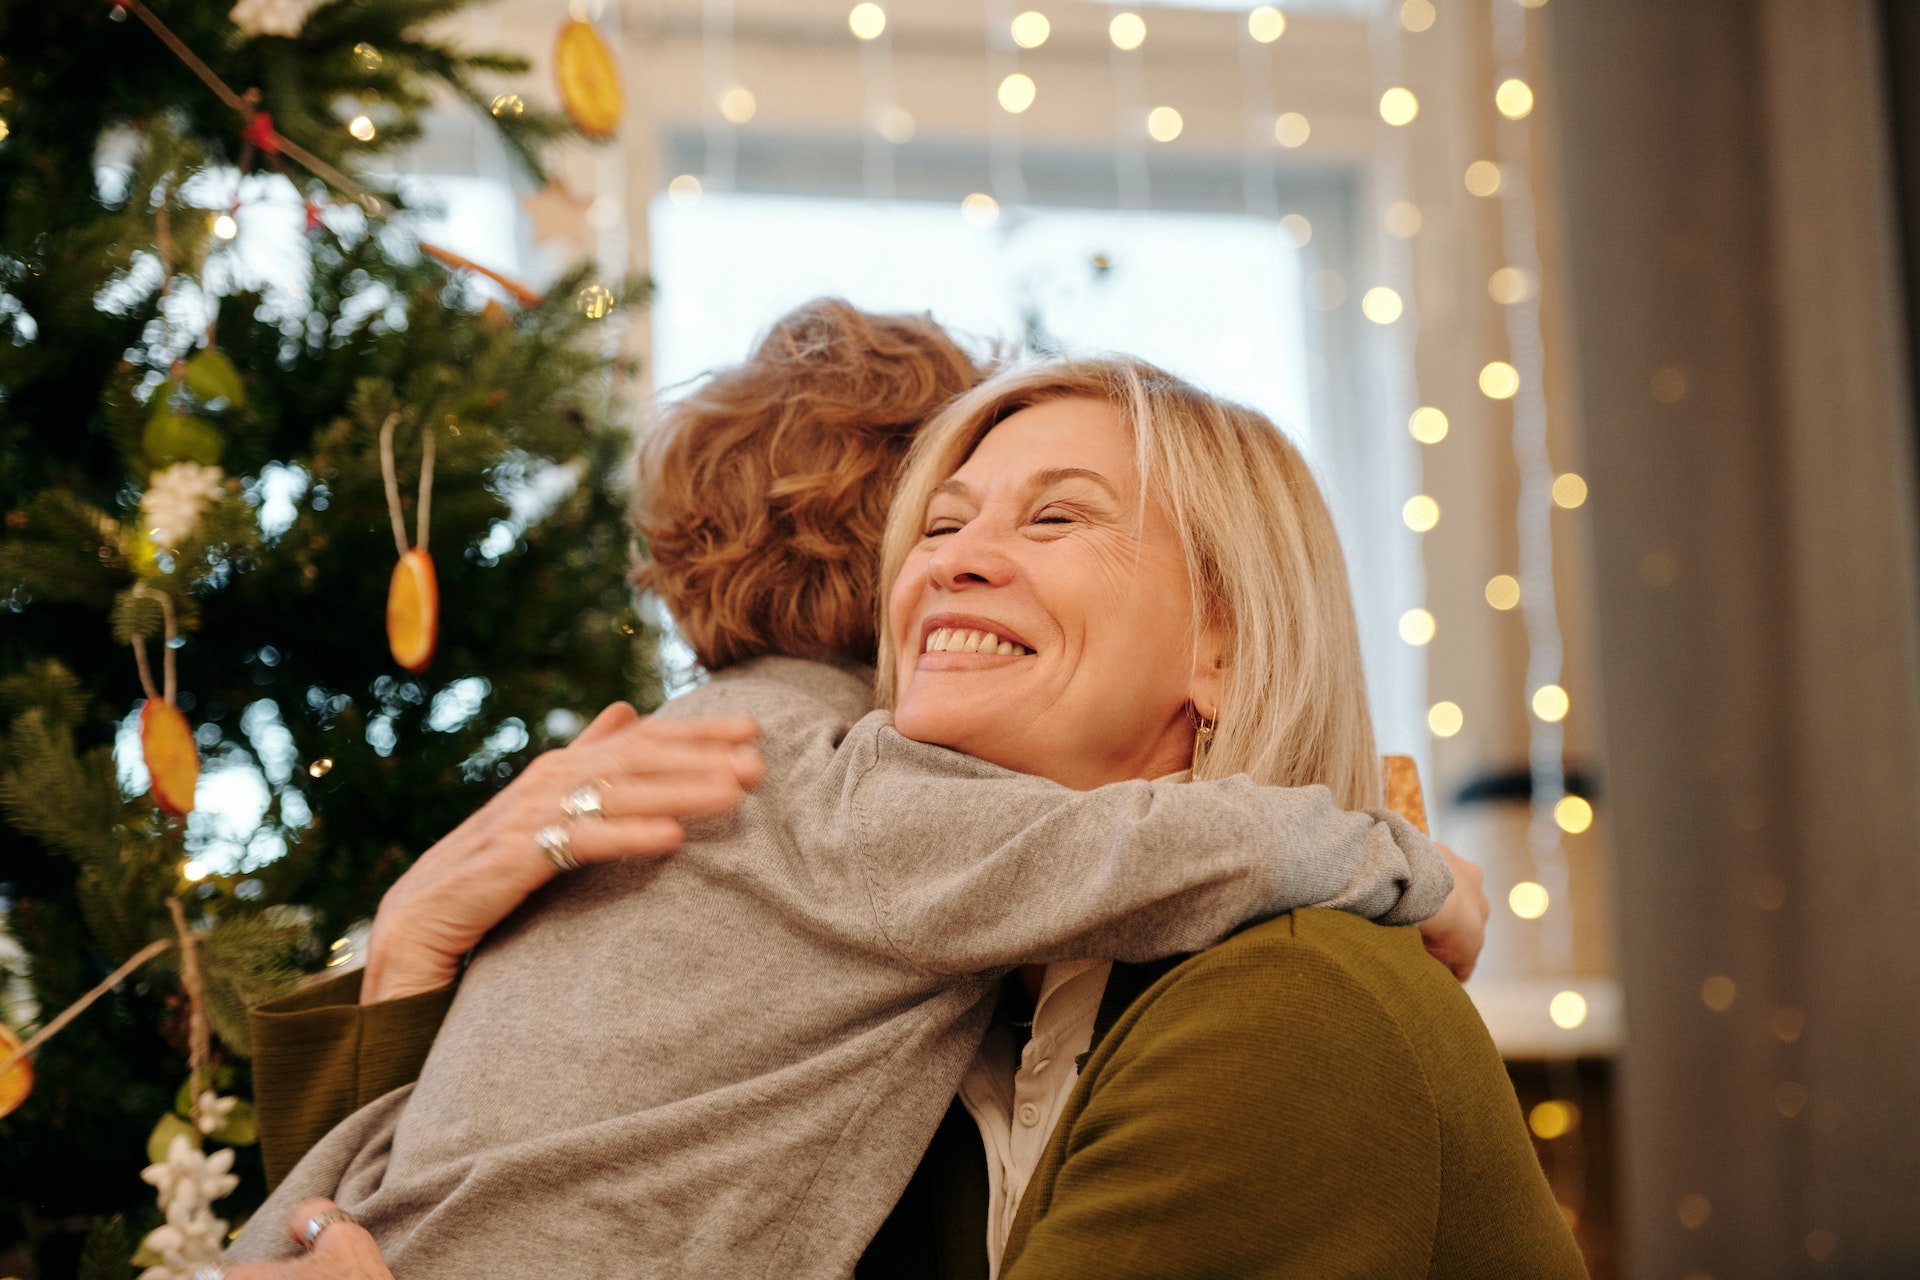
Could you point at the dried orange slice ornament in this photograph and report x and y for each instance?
(589, 80)
(1402, 778)
(173, 757)
(16, 1082)
(413, 611)
(413, 593)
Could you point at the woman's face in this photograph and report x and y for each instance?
(1037, 540)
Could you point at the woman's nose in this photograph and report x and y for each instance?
(970, 556)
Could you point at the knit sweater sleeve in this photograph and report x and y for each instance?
(970, 867)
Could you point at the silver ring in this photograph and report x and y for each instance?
(310, 1234)
(207, 1273)
(556, 843)
(586, 802)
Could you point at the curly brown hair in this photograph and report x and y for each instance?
(761, 497)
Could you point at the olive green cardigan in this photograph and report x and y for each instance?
(1315, 1097)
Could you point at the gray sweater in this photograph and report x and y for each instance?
(727, 1063)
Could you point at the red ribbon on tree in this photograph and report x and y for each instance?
(259, 132)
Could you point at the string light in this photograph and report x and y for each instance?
(320, 768)
(1718, 992)
(367, 56)
(1420, 513)
(1031, 29)
(1017, 93)
(225, 227)
(507, 106)
(362, 128)
(1573, 815)
(1509, 285)
(1528, 900)
(867, 21)
(1417, 15)
(1297, 229)
(1503, 591)
(1428, 425)
(897, 125)
(1568, 1010)
(1483, 178)
(980, 210)
(1164, 124)
(1290, 130)
(1693, 1210)
(1381, 305)
(1553, 1119)
(738, 105)
(1266, 24)
(1514, 99)
(595, 302)
(684, 190)
(1398, 106)
(1550, 703)
(1569, 491)
(1417, 627)
(1499, 380)
(1669, 384)
(1128, 31)
(1403, 219)
(195, 871)
(1444, 719)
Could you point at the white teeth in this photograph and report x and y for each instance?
(966, 640)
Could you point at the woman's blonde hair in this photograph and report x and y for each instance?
(1261, 552)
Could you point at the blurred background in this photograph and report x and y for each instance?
(1596, 322)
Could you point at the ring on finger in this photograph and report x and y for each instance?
(310, 1233)
(585, 802)
(214, 1272)
(556, 844)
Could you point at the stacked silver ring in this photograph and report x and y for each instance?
(556, 841)
(310, 1233)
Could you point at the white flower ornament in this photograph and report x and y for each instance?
(188, 1182)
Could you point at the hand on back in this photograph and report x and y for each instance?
(649, 773)
(1455, 934)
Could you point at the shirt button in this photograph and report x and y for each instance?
(1029, 1114)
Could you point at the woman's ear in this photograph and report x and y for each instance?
(1209, 672)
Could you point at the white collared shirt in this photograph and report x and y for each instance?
(1016, 1103)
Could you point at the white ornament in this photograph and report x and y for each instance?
(210, 1112)
(188, 1182)
(271, 17)
(175, 498)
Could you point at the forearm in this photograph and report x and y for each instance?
(971, 867)
(319, 1056)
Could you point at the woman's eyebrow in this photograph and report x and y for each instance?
(952, 486)
(1056, 475)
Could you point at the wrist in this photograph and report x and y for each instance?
(397, 968)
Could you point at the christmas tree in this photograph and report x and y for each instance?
(207, 480)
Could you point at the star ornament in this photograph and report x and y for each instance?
(559, 214)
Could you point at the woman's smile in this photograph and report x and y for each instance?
(950, 636)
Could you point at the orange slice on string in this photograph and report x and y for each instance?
(413, 611)
(173, 758)
(589, 80)
(1402, 778)
(16, 1082)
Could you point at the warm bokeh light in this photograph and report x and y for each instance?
(1573, 814)
(1031, 29)
(193, 870)
(1017, 93)
(1483, 177)
(1444, 719)
(897, 125)
(867, 21)
(1669, 384)
(1509, 285)
(1693, 1210)
(1398, 106)
(1296, 228)
(1291, 130)
(1266, 24)
(1128, 31)
(980, 210)
(1403, 219)
(1550, 703)
(1499, 380)
(1553, 1119)
(320, 768)
(1787, 1023)
(1381, 305)
(1421, 513)
(1568, 1010)
(738, 104)
(508, 106)
(1428, 425)
(1416, 626)
(1503, 591)
(1528, 900)
(1717, 993)
(1569, 490)
(1164, 124)
(1514, 98)
(225, 227)
(362, 128)
(1417, 15)
(684, 190)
